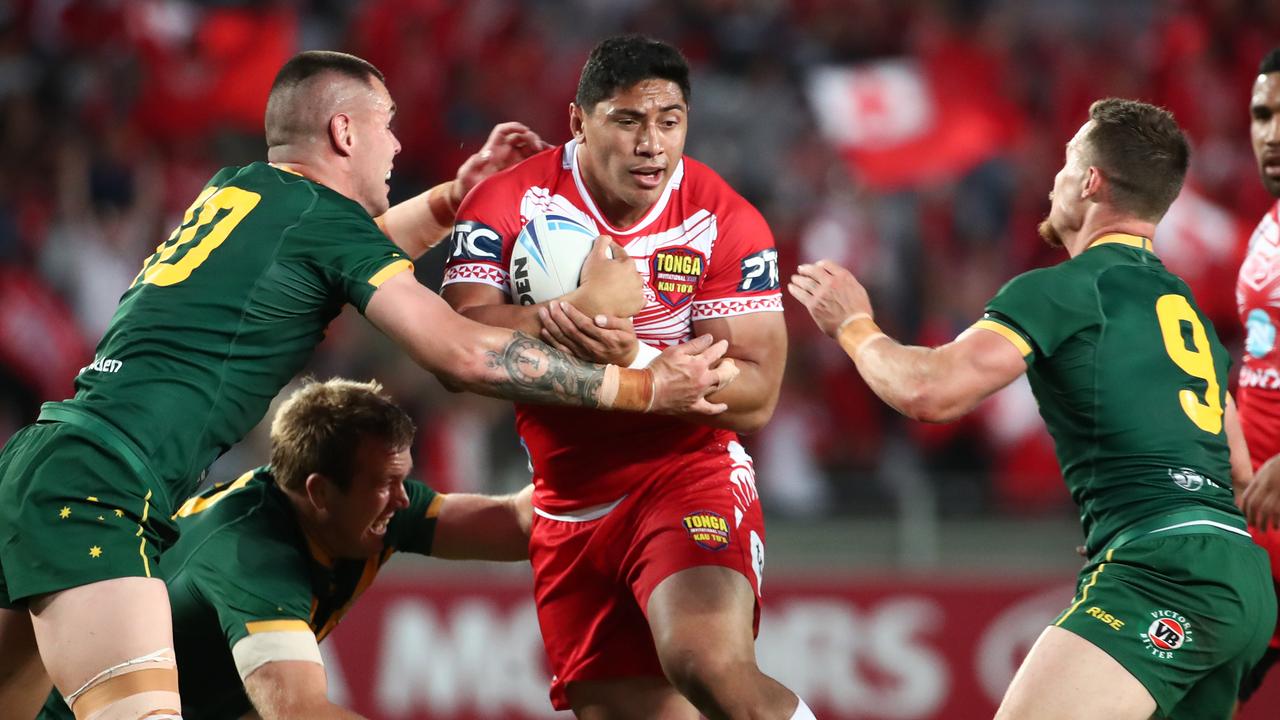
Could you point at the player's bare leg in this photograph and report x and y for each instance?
(23, 682)
(1066, 677)
(638, 698)
(701, 624)
(109, 646)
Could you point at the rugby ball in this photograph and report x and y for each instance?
(547, 258)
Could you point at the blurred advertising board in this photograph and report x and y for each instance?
(866, 649)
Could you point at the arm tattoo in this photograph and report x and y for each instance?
(532, 371)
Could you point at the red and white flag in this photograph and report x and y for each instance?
(897, 126)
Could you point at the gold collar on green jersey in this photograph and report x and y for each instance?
(1136, 241)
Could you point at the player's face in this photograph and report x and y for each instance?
(377, 147)
(1066, 209)
(631, 144)
(1264, 109)
(357, 520)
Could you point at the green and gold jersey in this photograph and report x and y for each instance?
(1131, 380)
(243, 565)
(225, 312)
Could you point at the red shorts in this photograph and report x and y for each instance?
(1270, 541)
(592, 578)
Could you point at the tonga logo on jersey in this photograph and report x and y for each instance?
(709, 530)
(1167, 632)
(675, 273)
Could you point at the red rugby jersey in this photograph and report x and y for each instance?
(1258, 301)
(703, 251)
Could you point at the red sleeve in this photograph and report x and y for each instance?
(742, 274)
(487, 224)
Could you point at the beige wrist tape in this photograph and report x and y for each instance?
(856, 332)
(626, 389)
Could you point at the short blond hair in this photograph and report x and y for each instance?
(320, 426)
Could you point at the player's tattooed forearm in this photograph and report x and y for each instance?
(536, 372)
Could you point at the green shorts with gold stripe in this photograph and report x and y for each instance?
(74, 511)
(1185, 604)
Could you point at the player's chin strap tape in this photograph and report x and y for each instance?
(155, 672)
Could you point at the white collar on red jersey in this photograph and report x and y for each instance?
(571, 162)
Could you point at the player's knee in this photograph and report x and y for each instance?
(700, 675)
(144, 688)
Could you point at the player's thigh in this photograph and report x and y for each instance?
(88, 629)
(72, 512)
(634, 698)
(1066, 677)
(23, 682)
(703, 617)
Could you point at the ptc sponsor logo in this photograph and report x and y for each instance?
(760, 271)
(675, 273)
(1107, 618)
(476, 241)
(709, 530)
(1167, 632)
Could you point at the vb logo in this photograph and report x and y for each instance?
(1166, 634)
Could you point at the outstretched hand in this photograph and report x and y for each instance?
(830, 293)
(508, 144)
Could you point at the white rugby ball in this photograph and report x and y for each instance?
(547, 258)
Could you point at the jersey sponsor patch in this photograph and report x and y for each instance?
(1167, 632)
(675, 273)
(760, 271)
(1262, 333)
(476, 241)
(709, 530)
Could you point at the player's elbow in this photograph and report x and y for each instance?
(929, 403)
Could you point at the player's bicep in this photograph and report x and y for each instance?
(466, 296)
(282, 688)
(436, 337)
(978, 363)
(482, 527)
(759, 338)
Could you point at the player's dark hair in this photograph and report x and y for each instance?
(1141, 152)
(1270, 63)
(284, 119)
(320, 427)
(619, 62)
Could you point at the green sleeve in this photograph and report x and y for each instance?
(1044, 307)
(254, 584)
(413, 529)
(352, 255)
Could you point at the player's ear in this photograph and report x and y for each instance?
(577, 119)
(1092, 184)
(319, 491)
(341, 134)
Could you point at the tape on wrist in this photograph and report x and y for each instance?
(856, 332)
(440, 200)
(627, 389)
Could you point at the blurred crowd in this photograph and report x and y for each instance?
(113, 113)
